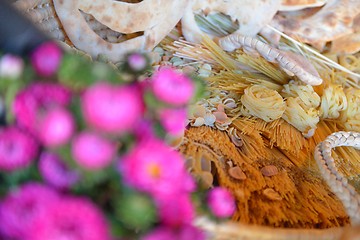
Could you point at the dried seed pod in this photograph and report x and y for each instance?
(237, 173)
(271, 194)
(269, 170)
(206, 179)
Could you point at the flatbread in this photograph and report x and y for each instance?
(122, 17)
(349, 44)
(332, 21)
(251, 15)
(293, 5)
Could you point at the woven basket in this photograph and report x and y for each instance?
(43, 14)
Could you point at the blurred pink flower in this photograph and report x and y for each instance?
(161, 233)
(17, 149)
(112, 108)
(56, 127)
(46, 59)
(70, 218)
(11, 66)
(137, 61)
(186, 232)
(93, 151)
(30, 102)
(221, 202)
(21, 206)
(173, 120)
(172, 87)
(144, 130)
(55, 172)
(153, 167)
(190, 232)
(175, 210)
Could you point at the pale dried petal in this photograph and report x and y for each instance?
(221, 117)
(271, 194)
(269, 170)
(209, 119)
(198, 122)
(207, 179)
(237, 141)
(237, 173)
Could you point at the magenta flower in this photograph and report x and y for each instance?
(70, 218)
(172, 87)
(93, 151)
(144, 130)
(191, 232)
(112, 108)
(11, 66)
(46, 59)
(55, 172)
(17, 149)
(173, 120)
(56, 128)
(221, 202)
(185, 232)
(21, 206)
(37, 98)
(137, 61)
(175, 210)
(154, 168)
(161, 233)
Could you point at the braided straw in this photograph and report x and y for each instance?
(337, 182)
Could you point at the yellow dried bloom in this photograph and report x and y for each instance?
(262, 102)
(306, 93)
(333, 101)
(300, 116)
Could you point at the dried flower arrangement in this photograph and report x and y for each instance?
(263, 110)
(83, 152)
(246, 98)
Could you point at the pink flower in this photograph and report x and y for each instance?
(221, 202)
(137, 61)
(20, 207)
(154, 168)
(56, 128)
(46, 59)
(70, 218)
(112, 108)
(144, 130)
(172, 87)
(55, 172)
(11, 66)
(175, 210)
(161, 233)
(36, 98)
(185, 232)
(17, 149)
(173, 120)
(93, 151)
(191, 232)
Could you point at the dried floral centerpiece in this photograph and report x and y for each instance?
(83, 155)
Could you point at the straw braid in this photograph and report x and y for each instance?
(337, 182)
